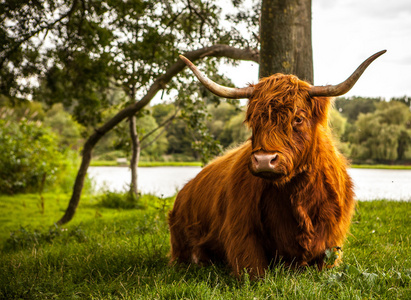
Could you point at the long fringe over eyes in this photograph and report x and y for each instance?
(274, 97)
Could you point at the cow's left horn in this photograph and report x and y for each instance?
(344, 87)
(219, 90)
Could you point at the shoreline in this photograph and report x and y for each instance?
(147, 164)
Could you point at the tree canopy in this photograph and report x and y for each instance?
(81, 52)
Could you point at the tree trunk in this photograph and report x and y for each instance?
(159, 83)
(403, 141)
(81, 175)
(135, 156)
(285, 36)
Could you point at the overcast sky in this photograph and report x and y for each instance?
(345, 33)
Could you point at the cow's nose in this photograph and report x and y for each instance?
(265, 162)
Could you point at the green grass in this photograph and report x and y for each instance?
(110, 163)
(104, 163)
(122, 254)
(393, 167)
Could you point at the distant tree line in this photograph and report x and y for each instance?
(372, 130)
(367, 130)
(180, 140)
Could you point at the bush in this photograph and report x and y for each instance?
(67, 173)
(29, 156)
(122, 200)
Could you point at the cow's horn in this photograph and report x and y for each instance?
(219, 90)
(344, 87)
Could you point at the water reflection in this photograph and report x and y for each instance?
(382, 184)
(165, 181)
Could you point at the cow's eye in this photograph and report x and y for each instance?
(298, 120)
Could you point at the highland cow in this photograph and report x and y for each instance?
(284, 195)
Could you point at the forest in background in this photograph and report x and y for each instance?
(367, 130)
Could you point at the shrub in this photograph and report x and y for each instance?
(29, 156)
(67, 173)
(122, 200)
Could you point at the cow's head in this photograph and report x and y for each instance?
(284, 114)
(283, 118)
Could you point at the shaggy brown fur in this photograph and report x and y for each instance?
(233, 214)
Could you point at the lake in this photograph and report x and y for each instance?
(166, 181)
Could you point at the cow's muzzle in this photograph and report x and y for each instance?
(267, 165)
(262, 162)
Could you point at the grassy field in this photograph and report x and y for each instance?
(122, 254)
(392, 167)
(111, 163)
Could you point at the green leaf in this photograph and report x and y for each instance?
(351, 270)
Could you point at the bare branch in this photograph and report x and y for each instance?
(155, 139)
(164, 124)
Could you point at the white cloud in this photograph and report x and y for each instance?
(349, 31)
(382, 9)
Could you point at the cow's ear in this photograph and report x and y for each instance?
(320, 107)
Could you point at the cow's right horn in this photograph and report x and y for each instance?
(219, 90)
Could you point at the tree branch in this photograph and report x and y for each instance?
(165, 123)
(158, 84)
(177, 67)
(29, 35)
(155, 139)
